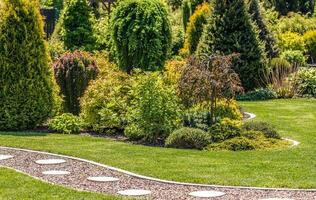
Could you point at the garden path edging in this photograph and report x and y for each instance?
(156, 179)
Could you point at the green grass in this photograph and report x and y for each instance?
(15, 185)
(289, 167)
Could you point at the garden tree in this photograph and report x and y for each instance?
(186, 13)
(106, 5)
(141, 34)
(77, 25)
(286, 6)
(195, 27)
(57, 4)
(27, 92)
(225, 33)
(73, 72)
(264, 34)
(208, 79)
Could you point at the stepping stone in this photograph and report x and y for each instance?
(134, 192)
(207, 194)
(4, 157)
(54, 172)
(50, 161)
(102, 179)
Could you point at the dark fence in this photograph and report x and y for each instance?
(50, 17)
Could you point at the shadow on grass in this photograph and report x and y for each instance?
(24, 133)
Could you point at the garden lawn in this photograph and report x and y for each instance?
(14, 185)
(290, 167)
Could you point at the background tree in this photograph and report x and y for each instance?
(286, 6)
(141, 34)
(226, 34)
(264, 34)
(26, 80)
(208, 79)
(77, 25)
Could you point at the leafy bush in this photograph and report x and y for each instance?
(291, 41)
(104, 104)
(258, 95)
(196, 117)
(305, 82)
(225, 34)
(186, 13)
(154, 112)
(196, 25)
(225, 129)
(188, 138)
(268, 130)
(295, 57)
(66, 123)
(310, 42)
(77, 25)
(173, 70)
(28, 92)
(73, 72)
(141, 34)
(234, 144)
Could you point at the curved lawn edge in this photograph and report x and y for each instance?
(156, 179)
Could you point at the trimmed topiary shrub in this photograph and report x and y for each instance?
(27, 94)
(141, 34)
(77, 25)
(154, 112)
(196, 25)
(66, 123)
(73, 72)
(226, 34)
(268, 130)
(188, 138)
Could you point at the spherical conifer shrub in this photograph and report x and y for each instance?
(141, 34)
(27, 94)
(73, 72)
(77, 25)
(230, 30)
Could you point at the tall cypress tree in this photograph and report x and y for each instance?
(230, 30)
(264, 34)
(26, 79)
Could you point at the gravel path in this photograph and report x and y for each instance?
(79, 172)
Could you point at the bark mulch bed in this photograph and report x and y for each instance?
(79, 172)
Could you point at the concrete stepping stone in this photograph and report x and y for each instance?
(134, 192)
(50, 161)
(102, 179)
(4, 157)
(55, 172)
(207, 194)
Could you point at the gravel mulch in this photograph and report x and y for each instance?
(79, 172)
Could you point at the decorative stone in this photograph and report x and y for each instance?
(134, 192)
(207, 194)
(4, 157)
(50, 161)
(102, 179)
(277, 199)
(54, 172)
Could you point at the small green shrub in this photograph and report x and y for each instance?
(105, 102)
(73, 72)
(141, 34)
(234, 144)
(268, 130)
(252, 135)
(310, 42)
(226, 129)
(154, 112)
(295, 57)
(305, 82)
(188, 138)
(66, 123)
(291, 41)
(257, 95)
